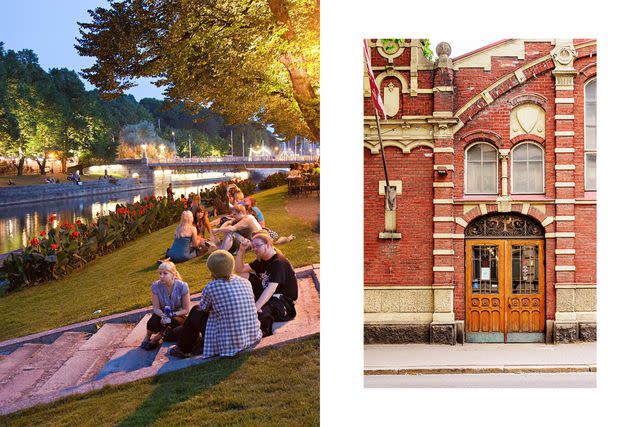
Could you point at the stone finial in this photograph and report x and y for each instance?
(443, 50)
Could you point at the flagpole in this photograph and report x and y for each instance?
(384, 161)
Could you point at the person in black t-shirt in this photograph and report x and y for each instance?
(272, 278)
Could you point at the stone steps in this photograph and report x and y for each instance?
(39, 367)
(129, 356)
(88, 360)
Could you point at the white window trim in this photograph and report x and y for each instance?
(466, 169)
(584, 132)
(544, 189)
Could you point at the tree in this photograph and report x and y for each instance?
(250, 60)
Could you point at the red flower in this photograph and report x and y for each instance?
(51, 218)
(78, 222)
(141, 212)
(152, 205)
(54, 246)
(43, 233)
(146, 198)
(72, 227)
(185, 206)
(35, 242)
(75, 234)
(133, 214)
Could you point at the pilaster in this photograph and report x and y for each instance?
(563, 56)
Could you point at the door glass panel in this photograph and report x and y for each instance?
(484, 279)
(524, 269)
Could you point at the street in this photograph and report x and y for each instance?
(545, 380)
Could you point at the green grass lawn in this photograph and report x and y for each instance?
(278, 386)
(121, 281)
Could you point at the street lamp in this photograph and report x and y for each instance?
(161, 147)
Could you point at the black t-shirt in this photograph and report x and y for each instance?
(277, 269)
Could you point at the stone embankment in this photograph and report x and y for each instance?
(10, 196)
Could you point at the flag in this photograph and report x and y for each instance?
(376, 98)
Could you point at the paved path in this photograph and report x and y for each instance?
(536, 380)
(67, 361)
(470, 358)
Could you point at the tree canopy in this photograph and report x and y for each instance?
(249, 60)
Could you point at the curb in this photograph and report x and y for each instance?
(506, 369)
(133, 316)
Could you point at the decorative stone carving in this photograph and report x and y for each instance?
(391, 99)
(564, 333)
(504, 225)
(442, 333)
(405, 134)
(563, 56)
(527, 119)
(396, 334)
(587, 331)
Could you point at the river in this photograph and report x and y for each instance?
(18, 224)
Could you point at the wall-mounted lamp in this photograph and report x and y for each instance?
(442, 170)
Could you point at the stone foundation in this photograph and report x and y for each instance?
(565, 332)
(442, 333)
(396, 334)
(587, 331)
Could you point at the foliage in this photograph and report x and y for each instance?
(391, 46)
(273, 180)
(66, 248)
(247, 187)
(248, 60)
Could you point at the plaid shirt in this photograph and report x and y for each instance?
(233, 323)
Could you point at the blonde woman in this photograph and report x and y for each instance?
(185, 240)
(171, 302)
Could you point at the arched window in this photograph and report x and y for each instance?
(590, 135)
(527, 169)
(481, 169)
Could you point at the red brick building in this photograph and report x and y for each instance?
(492, 155)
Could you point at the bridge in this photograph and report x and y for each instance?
(227, 162)
(148, 167)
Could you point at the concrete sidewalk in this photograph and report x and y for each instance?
(417, 359)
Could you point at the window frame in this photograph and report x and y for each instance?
(584, 130)
(511, 175)
(466, 169)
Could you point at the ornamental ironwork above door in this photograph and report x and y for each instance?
(504, 225)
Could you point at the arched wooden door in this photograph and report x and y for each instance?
(504, 264)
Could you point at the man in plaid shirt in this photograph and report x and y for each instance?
(226, 316)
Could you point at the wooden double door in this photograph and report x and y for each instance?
(505, 299)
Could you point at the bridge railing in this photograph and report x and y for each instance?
(285, 158)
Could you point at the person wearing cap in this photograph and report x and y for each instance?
(273, 280)
(226, 315)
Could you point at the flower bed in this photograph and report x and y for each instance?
(57, 251)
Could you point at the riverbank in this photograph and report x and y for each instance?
(120, 281)
(16, 195)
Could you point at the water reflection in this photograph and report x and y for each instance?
(18, 224)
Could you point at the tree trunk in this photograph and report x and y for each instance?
(304, 95)
(63, 162)
(20, 165)
(42, 166)
(303, 92)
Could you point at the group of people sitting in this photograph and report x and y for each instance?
(244, 219)
(297, 170)
(238, 306)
